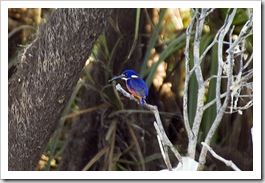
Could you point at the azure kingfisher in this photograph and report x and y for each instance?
(134, 84)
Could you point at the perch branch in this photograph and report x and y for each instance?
(162, 134)
(164, 155)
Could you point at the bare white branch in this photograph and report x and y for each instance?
(243, 31)
(200, 81)
(220, 108)
(164, 138)
(162, 134)
(213, 101)
(224, 31)
(164, 155)
(188, 75)
(248, 62)
(236, 55)
(227, 162)
(209, 11)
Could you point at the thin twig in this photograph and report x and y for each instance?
(224, 30)
(213, 101)
(208, 12)
(227, 162)
(96, 158)
(243, 31)
(248, 62)
(14, 31)
(234, 90)
(137, 145)
(212, 77)
(164, 155)
(91, 109)
(165, 140)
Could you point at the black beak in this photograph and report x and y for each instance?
(116, 77)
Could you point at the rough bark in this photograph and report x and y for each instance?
(44, 80)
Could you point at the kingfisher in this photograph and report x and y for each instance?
(134, 84)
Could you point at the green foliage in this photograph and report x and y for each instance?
(152, 42)
(171, 48)
(210, 114)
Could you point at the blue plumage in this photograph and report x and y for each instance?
(134, 84)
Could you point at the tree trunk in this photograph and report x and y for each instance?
(48, 71)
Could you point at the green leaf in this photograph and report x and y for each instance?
(171, 48)
(152, 42)
(210, 113)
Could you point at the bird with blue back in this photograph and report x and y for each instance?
(134, 84)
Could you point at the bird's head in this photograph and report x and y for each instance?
(126, 75)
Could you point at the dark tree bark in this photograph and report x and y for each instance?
(44, 80)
